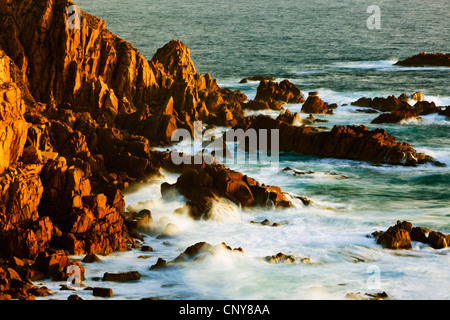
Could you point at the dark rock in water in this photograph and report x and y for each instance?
(102, 292)
(395, 117)
(203, 184)
(266, 222)
(424, 108)
(304, 200)
(290, 118)
(426, 59)
(347, 142)
(257, 78)
(168, 191)
(284, 91)
(396, 237)
(445, 111)
(401, 235)
(122, 276)
(419, 234)
(388, 104)
(194, 253)
(283, 258)
(74, 297)
(406, 112)
(315, 105)
(438, 240)
(136, 221)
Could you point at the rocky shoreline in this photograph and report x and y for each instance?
(81, 111)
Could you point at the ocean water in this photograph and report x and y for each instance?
(320, 46)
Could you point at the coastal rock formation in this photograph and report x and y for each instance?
(315, 105)
(201, 184)
(426, 59)
(406, 112)
(347, 142)
(285, 91)
(400, 236)
(13, 127)
(382, 104)
(91, 70)
(291, 118)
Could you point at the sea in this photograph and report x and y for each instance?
(324, 46)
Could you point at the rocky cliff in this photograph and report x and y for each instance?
(80, 110)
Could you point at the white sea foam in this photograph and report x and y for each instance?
(384, 65)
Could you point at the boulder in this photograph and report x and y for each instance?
(314, 104)
(426, 59)
(200, 184)
(285, 91)
(395, 237)
(401, 235)
(102, 292)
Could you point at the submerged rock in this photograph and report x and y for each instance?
(406, 112)
(445, 111)
(291, 118)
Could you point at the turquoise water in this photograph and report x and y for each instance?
(323, 47)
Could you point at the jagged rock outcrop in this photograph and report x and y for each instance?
(406, 112)
(197, 252)
(202, 184)
(92, 70)
(426, 59)
(382, 104)
(285, 91)
(315, 105)
(13, 127)
(291, 118)
(347, 142)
